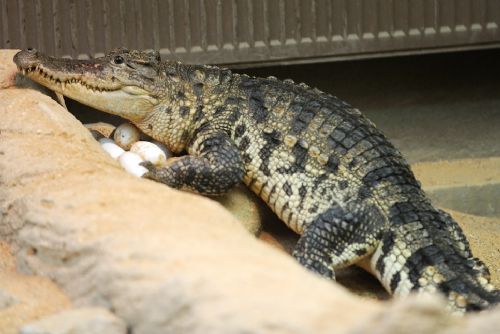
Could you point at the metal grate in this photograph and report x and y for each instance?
(249, 31)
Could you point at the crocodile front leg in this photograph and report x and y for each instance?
(213, 167)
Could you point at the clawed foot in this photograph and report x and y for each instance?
(315, 265)
(152, 172)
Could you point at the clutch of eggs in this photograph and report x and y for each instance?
(130, 151)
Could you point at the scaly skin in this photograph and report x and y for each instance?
(324, 168)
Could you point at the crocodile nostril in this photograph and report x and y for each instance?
(32, 50)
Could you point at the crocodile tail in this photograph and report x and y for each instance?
(425, 250)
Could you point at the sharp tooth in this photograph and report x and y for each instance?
(60, 97)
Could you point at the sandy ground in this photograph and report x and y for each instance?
(484, 236)
(461, 172)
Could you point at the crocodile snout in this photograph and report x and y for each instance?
(27, 58)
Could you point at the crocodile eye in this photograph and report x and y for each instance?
(118, 60)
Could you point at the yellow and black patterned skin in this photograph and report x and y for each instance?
(318, 163)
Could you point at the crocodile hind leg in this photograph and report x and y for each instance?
(338, 238)
(424, 250)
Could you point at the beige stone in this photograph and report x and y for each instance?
(25, 298)
(166, 261)
(425, 314)
(245, 206)
(7, 68)
(6, 299)
(105, 129)
(90, 320)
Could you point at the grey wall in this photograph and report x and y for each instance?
(250, 31)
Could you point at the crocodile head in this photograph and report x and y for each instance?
(122, 82)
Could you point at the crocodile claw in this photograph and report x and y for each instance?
(152, 170)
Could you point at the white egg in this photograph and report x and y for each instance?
(111, 148)
(131, 163)
(149, 152)
(162, 147)
(125, 135)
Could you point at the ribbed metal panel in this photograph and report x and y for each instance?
(248, 31)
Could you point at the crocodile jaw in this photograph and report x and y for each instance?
(79, 81)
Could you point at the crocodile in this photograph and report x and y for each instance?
(316, 161)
